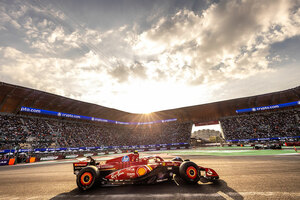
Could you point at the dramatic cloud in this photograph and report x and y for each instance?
(230, 39)
(168, 56)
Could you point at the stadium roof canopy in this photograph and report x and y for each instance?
(13, 97)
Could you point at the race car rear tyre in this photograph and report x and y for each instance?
(87, 178)
(189, 172)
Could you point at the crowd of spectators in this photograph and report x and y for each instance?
(11, 130)
(262, 125)
(40, 132)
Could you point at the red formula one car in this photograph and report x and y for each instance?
(131, 169)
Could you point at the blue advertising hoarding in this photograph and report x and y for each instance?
(295, 103)
(68, 115)
(4, 162)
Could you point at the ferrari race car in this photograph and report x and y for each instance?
(131, 169)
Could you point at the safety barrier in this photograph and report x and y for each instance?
(102, 151)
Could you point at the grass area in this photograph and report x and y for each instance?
(230, 152)
(225, 147)
(284, 147)
(238, 147)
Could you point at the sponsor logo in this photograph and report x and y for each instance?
(141, 171)
(117, 174)
(71, 156)
(299, 102)
(80, 164)
(131, 169)
(253, 109)
(121, 122)
(93, 118)
(130, 174)
(59, 114)
(268, 107)
(4, 162)
(125, 159)
(107, 166)
(33, 110)
(100, 120)
(49, 158)
(70, 115)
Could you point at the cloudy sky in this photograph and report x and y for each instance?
(142, 56)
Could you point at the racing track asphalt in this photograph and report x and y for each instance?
(241, 177)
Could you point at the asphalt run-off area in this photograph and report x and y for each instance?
(244, 174)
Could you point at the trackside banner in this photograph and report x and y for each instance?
(68, 115)
(262, 139)
(295, 103)
(95, 148)
(4, 162)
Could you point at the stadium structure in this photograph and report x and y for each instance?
(33, 119)
(13, 97)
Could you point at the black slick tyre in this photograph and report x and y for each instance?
(86, 178)
(189, 172)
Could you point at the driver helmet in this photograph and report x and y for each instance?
(177, 159)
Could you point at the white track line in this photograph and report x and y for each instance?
(224, 195)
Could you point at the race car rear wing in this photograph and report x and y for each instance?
(78, 166)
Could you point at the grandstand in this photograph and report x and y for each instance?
(276, 124)
(35, 130)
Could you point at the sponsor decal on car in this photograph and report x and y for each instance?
(141, 171)
(125, 159)
(167, 164)
(130, 169)
(80, 164)
(130, 174)
(116, 174)
(107, 166)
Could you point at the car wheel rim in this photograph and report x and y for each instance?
(86, 178)
(191, 172)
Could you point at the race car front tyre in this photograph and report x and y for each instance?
(86, 178)
(189, 172)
